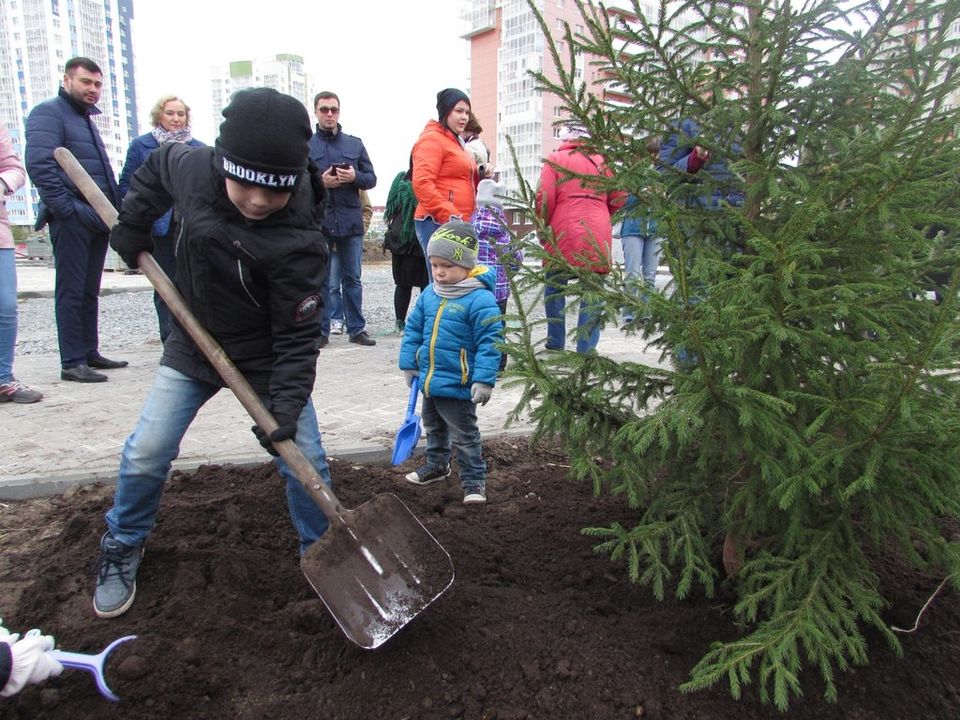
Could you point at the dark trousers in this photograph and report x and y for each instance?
(78, 257)
(164, 252)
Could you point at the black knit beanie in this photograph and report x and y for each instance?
(263, 139)
(446, 99)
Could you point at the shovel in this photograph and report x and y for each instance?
(377, 567)
(409, 432)
(91, 663)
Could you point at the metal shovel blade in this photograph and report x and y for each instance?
(377, 568)
(408, 434)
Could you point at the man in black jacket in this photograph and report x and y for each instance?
(78, 236)
(250, 262)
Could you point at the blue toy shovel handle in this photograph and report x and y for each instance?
(412, 402)
(92, 663)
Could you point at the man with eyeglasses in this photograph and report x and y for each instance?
(346, 171)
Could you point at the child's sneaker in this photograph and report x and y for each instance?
(16, 392)
(428, 474)
(474, 496)
(336, 327)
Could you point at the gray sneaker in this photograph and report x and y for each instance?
(116, 577)
(428, 474)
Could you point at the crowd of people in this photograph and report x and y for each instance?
(262, 234)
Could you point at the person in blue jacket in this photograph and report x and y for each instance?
(77, 234)
(171, 123)
(450, 343)
(347, 170)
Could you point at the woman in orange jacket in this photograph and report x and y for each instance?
(444, 174)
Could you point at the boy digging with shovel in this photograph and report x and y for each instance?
(250, 260)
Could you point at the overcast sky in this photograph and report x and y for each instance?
(386, 59)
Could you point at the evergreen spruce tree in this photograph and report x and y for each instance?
(810, 425)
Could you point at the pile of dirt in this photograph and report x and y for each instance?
(536, 625)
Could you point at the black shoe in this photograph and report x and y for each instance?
(101, 363)
(361, 338)
(321, 342)
(82, 374)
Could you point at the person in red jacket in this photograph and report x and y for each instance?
(445, 176)
(579, 216)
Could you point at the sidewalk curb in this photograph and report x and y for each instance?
(29, 487)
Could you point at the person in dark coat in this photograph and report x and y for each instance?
(250, 263)
(171, 123)
(406, 256)
(78, 236)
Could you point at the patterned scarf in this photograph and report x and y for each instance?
(164, 136)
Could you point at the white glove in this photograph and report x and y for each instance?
(480, 393)
(6, 636)
(30, 663)
(409, 375)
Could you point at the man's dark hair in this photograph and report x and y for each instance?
(325, 94)
(82, 62)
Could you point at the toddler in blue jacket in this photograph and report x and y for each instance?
(449, 342)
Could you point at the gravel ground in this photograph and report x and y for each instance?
(128, 319)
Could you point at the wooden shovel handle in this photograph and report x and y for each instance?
(234, 379)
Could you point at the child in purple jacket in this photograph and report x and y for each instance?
(495, 248)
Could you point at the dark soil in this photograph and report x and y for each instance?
(536, 625)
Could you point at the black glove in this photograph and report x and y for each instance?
(286, 430)
(130, 242)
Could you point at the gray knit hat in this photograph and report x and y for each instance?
(491, 193)
(454, 241)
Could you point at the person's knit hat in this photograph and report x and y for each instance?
(454, 241)
(491, 193)
(573, 131)
(447, 99)
(263, 139)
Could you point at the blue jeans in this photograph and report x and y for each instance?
(554, 303)
(335, 298)
(451, 421)
(8, 312)
(425, 228)
(641, 255)
(148, 453)
(346, 262)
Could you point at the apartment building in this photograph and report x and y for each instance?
(506, 43)
(284, 73)
(36, 38)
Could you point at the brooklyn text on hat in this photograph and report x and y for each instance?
(263, 139)
(257, 177)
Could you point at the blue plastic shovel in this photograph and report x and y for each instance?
(409, 432)
(91, 663)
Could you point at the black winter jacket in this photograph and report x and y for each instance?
(6, 664)
(62, 122)
(252, 284)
